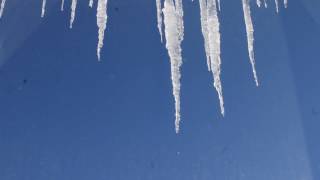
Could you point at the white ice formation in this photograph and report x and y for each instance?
(250, 38)
(170, 25)
(210, 27)
(73, 12)
(174, 32)
(102, 18)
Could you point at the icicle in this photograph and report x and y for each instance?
(159, 18)
(62, 5)
(204, 29)
(102, 18)
(277, 5)
(180, 26)
(3, 3)
(214, 48)
(173, 20)
(91, 3)
(285, 3)
(43, 10)
(73, 12)
(211, 32)
(250, 38)
(259, 3)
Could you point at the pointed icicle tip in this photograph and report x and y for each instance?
(250, 37)
(177, 123)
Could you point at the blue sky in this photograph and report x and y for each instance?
(66, 116)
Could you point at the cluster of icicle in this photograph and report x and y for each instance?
(101, 17)
(171, 15)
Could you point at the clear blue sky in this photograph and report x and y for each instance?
(65, 116)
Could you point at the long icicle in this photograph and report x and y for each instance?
(43, 9)
(102, 18)
(210, 26)
(250, 38)
(159, 19)
(173, 20)
(179, 11)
